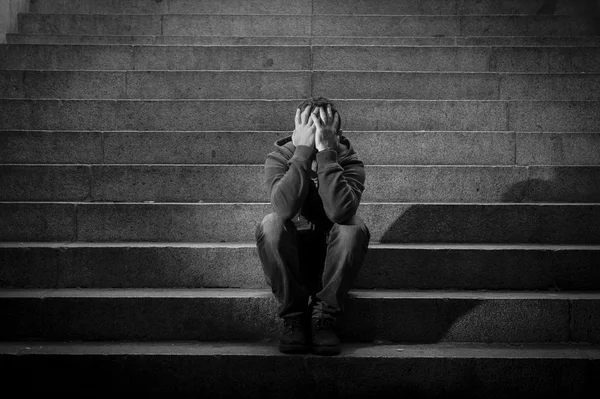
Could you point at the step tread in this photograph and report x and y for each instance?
(118, 293)
(350, 350)
(403, 204)
(372, 246)
(117, 45)
(450, 41)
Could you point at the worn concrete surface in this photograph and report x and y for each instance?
(555, 184)
(168, 25)
(50, 147)
(558, 148)
(154, 84)
(524, 371)
(244, 183)
(362, 115)
(22, 38)
(37, 222)
(117, 57)
(428, 7)
(469, 223)
(388, 222)
(236, 265)
(571, 86)
(174, 6)
(407, 316)
(45, 183)
(252, 147)
(554, 116)
(285, 85)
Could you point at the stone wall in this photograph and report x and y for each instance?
(8, 16)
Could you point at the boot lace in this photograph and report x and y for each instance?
(292, 323)
(324, 323)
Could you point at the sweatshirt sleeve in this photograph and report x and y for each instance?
(288, 181)
(340, 188)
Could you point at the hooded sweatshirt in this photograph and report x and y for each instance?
(323, 187)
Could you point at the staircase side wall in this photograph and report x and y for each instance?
(9, 10)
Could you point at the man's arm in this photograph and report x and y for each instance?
(288, 182)
(340, 188)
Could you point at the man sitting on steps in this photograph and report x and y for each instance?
(313, 244)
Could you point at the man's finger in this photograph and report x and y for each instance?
(305, 114)
(323, 116)
(329, 113)
(297, 118)
(316, 120)
(336, 122)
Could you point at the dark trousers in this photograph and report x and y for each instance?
(320, 265)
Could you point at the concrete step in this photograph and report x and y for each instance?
(548, 59)
(155, 84)
(224, 147)
(208, 369)
(460, 7)
(302, 25)
(247, 315)
(384, 7)
(472, 59)
(244, 115)
(21, 38)
(179, 25)
(285, 85)
(236, 265)
(173, 6)
(119, 57)
(244, 183)
(214, 222)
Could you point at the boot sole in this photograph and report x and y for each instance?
(326, 350)
(290, 348)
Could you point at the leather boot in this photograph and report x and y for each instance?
(324, 339)
(294, 338)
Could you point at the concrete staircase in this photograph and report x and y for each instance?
(133, 135)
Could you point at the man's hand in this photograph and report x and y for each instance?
(304, 132)
(327, 124)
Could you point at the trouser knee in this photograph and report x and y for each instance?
(271, 228)
(353, 232)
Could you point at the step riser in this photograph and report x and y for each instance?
(154, 85)
(245, 184)
(169, 25)
(239, 267)
(417, 374)
(15, 38)
(485, 223)
(362, 115)
(253, 318)
(282, 85)
(410, 148)
(369, 58)
(173, 6)
(473, 59)
(205, 25)
(154, 57)
(425, 7)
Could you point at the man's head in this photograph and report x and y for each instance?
(323, 102)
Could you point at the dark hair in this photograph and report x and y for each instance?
(319, 102)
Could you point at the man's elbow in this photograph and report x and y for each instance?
(340, 215)
(286, 214)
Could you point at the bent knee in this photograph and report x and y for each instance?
(354, 227)
(272, 225)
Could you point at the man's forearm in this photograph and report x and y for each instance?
(289, 188)
(340, 189)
